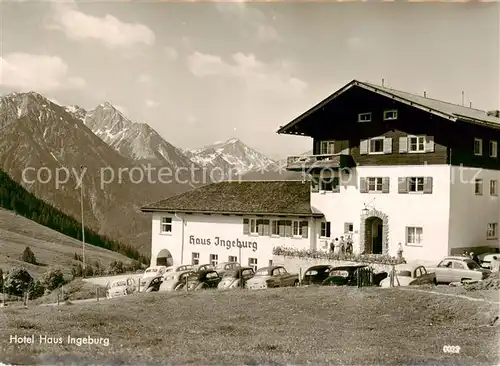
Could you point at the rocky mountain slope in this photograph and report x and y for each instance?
(41, 136)
(232, 157)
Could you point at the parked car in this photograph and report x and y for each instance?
(486, 258)
(458, 269)
(175, 281)
(226, 266)
(348, 275)
(203, 280)
(236, 278)
(409, 275)
(154, 271)
(315, 275)
(119, 288)
(150, 284)
(185, 267)
(274, 276)
(203, 267)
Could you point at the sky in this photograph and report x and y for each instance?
(205, 72)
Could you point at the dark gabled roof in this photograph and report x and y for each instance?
(243, 197)
(443, 109)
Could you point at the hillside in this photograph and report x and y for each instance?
(50, 247)
(15, 198)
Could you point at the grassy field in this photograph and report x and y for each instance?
(50, 247)
(298, 325)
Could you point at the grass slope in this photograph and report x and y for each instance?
(51, 248)
(316, 325)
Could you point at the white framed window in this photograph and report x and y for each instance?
(493, 188)
(166, 225)
(275, 227)
(478, 146)
(416, 144)
(348, 227)
(478, 187)
(253, 226)
(232, 259)
(390, 115)
(195, 258)
(415, 184)
(414, 235)
(214, 259)
(365, 117)
(493, 149)
(325, 229)
(374, 184)
(376, 145)
(252, 262)
(492, 231)
(326, 147)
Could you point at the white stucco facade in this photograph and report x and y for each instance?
(220, 235)
(429, 224)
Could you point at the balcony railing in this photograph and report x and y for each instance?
(323, 161)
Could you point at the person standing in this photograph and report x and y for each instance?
(349, 245)
(400, 251)
(495, 264)
(332, 247)
(342, 245)
(474, 257)
(336, 244)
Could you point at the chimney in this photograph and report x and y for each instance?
(463, 97)
(470, 105)
(425, 94)
(383, 82)
(495, 113)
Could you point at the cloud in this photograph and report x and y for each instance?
(274, 78)
(109, 30)
(171, 53)
(36, 72)
(249, 17)
(144, 79)
(151, 103)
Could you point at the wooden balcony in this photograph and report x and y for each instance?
(309, 163)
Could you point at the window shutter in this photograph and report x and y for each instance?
(246, 228)
(403, 144)
(260, 227)
(402, 185)
(385, 184)
(363, 185)
(328, 231)
(388, 145)
(429, 144)
(315, 184)
(304, 225)
(265, 226)
(346, 227)
(281, 228)
(288, 229)
(428, 185)
(363, 147)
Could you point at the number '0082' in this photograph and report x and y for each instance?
(451, 349)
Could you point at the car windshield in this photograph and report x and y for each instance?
(262, 272)
(404, 273)
(119, 283)
(472, 265)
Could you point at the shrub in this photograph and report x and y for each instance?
(116, 267)
(52, 279)
(29, 256)
(77, 270)
(18, 281)
(353, 257)
(36, 289)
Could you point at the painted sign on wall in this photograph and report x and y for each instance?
(217, 241)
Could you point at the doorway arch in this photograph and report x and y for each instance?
(374, 232)
(164, 258)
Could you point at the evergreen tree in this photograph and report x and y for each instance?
(29, 256)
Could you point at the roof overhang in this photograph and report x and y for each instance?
(165, 210)
(287, 128)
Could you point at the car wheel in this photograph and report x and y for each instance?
(296, 283)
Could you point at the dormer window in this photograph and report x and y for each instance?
(365, 117)
(390, 115)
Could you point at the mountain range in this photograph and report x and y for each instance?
(48, 139)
